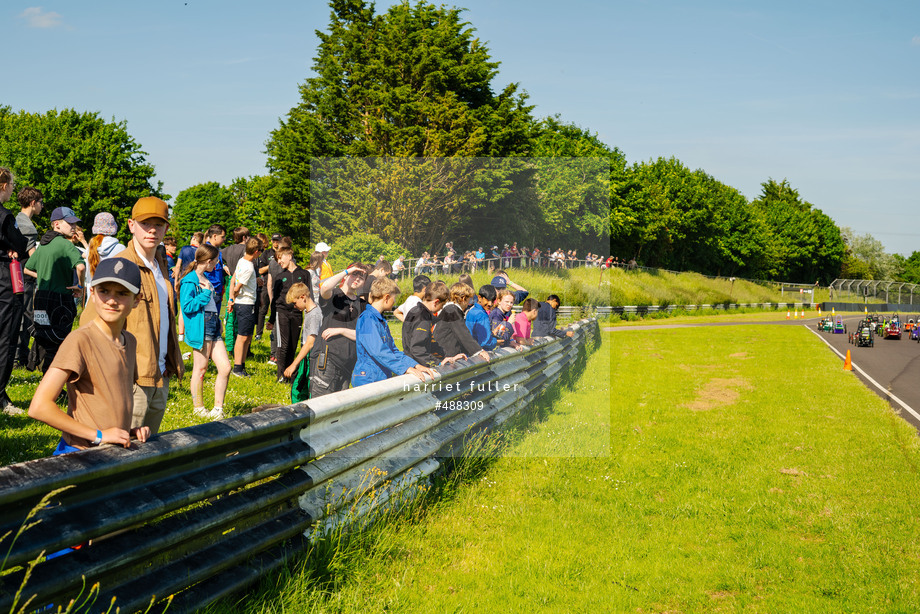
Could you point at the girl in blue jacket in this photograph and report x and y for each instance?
(203, 330)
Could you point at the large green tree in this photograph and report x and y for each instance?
(805, 243)
(412, 82)
(77, 160)
(198, 207)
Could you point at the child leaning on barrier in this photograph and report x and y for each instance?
(98, 364)
(477, 318)
(451, 332)
(378, 357)
(418, 328)
(522, 323)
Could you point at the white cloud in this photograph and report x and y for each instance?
(36, 17)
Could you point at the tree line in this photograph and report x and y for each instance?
(402, 134)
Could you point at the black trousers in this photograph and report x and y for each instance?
(10, 320)
(288, 328)
(22, 355)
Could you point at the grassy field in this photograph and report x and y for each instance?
(747, 471)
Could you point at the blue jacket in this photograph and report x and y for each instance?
(477, 320)
(378, 357)
(193, 300)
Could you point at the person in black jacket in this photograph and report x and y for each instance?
(418, 328)
(545, 324)
(12, 248)
(451, 332)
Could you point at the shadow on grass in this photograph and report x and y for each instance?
(326, 565)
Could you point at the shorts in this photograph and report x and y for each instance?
(245, 319)
(212, 326)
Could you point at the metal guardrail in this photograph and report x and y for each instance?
(201, 512)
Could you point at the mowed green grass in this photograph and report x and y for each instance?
(746, 471)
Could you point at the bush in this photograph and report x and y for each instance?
(363, 247)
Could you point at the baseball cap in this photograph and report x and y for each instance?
(150, 207)
(120, 271)
(498, 282)
(66, 214)
(321, 247)
(276, 236)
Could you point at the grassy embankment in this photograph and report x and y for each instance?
(746, 470)
(590, 286)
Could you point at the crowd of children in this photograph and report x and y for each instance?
(328, 328)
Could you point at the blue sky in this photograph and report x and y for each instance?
(824, 94)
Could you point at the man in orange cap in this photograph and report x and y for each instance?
(153, 322)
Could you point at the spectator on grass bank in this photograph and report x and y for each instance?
(502, 281)
(153, 322)
(185, 258)
(243, 304)
(544, 325)
(377, 356)
(170, 247)
(451, 332)
(522, 322)
(334, 354)
(267, 255)
(326, 268)
(477, 318)
(298, 372)
(203, 331)
(288, 318)
(54, 265)
(13, 247)
(419, 283)
(215, 238)
(31, 203)
(499, 318)
(97, 362)
(418, 328)
(103, 244)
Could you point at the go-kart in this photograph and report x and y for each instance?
(839, 328)
(893, 329)
(825, 324)
(863, 336)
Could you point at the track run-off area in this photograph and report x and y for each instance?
(889, 368)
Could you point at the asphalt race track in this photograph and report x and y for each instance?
(894, 365)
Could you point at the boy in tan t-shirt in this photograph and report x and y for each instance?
(98, 363)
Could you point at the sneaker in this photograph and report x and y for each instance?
(283, 380)
(186, 356)
(202, 412)
(241, 373)
(259, 337)
(10, 410)
(217, 413)
(273, 360)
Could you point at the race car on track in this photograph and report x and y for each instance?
(825, 324)
(863, 336)
(839, 328)
(893, 329)
(915, 334)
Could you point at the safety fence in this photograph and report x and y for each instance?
(574, 311)
(199, 513)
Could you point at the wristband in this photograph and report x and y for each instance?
(98, 440)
